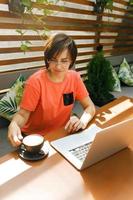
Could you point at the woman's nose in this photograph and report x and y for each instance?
(58, 65)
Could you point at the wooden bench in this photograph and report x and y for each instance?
(116, 61)
(8, 78)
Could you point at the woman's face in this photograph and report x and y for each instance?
(60, 63)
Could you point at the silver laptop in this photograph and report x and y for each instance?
(94, 144)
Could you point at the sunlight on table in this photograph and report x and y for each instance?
(13, 167)
(114, 111)
(7, 170)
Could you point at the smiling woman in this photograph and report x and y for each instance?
(59, 65)
(50, 93)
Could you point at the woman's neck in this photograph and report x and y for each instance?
(56, 78)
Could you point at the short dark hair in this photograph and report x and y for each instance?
(56, 44)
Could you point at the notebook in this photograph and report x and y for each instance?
(94, 144)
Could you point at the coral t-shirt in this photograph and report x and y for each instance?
(50, 103)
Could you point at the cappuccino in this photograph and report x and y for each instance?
(33, 140)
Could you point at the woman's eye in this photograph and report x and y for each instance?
(64, 61)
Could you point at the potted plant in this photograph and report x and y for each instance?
(100, 80)
(101, 4)
(25, 10)
(16, 6)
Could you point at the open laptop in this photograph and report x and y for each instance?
(94, 144)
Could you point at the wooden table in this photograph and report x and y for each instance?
(54, 178)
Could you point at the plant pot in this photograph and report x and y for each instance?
(99, 6)
(16, 7)
(100, 103)
(103, 99)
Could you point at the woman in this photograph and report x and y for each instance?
(50, 93)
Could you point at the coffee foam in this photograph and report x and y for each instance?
(33, 140)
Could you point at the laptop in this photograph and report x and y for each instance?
(94, 144)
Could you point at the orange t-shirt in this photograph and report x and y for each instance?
(50, 103)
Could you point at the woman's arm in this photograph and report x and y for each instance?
(75, 123)
(14, 129)
(89, 111)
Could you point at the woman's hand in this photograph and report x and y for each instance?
(74, 124)
(14, 134)
(18, 121)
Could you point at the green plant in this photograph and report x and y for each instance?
(9, 104)
(131, 2)
(25, 9)
(100, 80)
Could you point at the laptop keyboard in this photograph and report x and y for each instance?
(81, 151)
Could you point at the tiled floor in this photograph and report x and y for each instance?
(5, 146)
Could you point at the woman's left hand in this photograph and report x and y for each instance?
(74, 124)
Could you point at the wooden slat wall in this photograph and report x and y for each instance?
(113, 30)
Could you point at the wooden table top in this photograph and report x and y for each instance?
(54, 178)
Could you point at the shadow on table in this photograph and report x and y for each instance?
(111, 178)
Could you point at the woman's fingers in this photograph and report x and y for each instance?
(73, 120)
(14, 140)
(14, 135)
(78, 126)
(73, 125)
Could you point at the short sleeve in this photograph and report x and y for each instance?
(31, 95)
(81, 91)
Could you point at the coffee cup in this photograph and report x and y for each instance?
(33, 143)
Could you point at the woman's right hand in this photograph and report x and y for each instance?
(14, 134)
